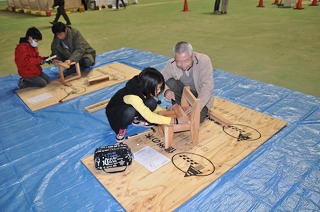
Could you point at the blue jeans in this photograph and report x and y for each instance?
(177, 87)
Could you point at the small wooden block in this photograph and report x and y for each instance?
(96, 79)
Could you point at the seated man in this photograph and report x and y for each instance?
(69, 46)
(193, 69)
(29, 62)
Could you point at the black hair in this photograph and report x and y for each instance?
(149, 79)
(34, 33)
(58, 27)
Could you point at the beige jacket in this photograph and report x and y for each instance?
(202, 74)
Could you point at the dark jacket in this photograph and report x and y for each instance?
(78, 47)
(131, 88)
(59, 3)
(27, 59)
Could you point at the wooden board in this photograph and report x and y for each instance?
(55, 92)
(192, 167)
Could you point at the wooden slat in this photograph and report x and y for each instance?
(96, 79)
(216, 117)
(98, 106)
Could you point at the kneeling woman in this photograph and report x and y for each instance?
(136, 103)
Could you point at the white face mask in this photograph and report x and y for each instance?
(34, 43)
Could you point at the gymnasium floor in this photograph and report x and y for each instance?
(41, 151)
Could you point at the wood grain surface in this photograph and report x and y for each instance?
(55, 92)
(192, 167)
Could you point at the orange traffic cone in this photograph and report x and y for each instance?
(299, 5)
(185, 6)
(260, 3)
(276, 2)
(314, 3)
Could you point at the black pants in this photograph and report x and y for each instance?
(217, 5)
(121, 116)
(61, 11)
(38, 81)
(177, 87)
(117, 4)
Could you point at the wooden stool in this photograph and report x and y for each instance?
(65, 81)
(188, 99)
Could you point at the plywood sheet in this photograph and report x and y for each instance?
(56, 92)
(192, 167)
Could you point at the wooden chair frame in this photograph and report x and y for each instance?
(64, 80)
(188, 99)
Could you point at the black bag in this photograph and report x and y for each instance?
(114, 156)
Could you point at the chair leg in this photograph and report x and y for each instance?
(168, 136)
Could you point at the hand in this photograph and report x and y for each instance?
(68, 62)
(169, 94)
(47, 61)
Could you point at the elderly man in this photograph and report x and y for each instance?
(193, 69)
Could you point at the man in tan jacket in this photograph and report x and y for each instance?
(193, 69)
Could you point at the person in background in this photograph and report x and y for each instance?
(193, 69)
(29, 62)
(59, 4)
(136, 104)
(224, 6)
(117, 4)
(85, 4)
(216, 7)
(70, 46)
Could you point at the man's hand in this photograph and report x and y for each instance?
(46, 60)
(68, 62)
(169, 94)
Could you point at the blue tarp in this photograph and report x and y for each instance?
(41, 152)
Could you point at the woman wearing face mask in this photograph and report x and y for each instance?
(29, 62)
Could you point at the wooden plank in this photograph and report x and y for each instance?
(192, 167)
(96, 79)
(216, 117)
(55, 92)
(98, 106)
(178, 111)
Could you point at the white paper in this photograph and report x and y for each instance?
(39, 98)
(150, 158)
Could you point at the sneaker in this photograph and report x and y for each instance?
(21, 83)
(141, 123)
(121, 135)
(53, 22)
